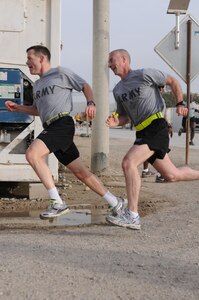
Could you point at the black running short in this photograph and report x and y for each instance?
(156, 137)
(58, 137)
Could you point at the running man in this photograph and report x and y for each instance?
(139, 99)
(52, 94)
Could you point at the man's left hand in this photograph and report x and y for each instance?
(181, 110)
(91, 111)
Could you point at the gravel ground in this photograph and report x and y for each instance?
(99, 261)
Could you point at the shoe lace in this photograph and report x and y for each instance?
(127, 215)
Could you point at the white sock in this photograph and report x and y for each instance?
(111, 199)
(146, 170)
(54, 195)
(133, 214)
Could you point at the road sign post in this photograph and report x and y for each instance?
(188, 81)
(187, 52)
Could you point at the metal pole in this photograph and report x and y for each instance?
(189, 26)
(100, 133)
(177, 31)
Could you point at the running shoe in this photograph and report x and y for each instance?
(191, 143)
(122, 203)
(159, 179)
(148, 173)
(124, 219)
(54, 210)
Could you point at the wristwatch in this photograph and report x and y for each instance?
(181, 103)
(90, 102)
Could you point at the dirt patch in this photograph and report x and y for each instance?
(103, 261)
(153, 196)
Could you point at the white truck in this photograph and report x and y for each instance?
(23, 23)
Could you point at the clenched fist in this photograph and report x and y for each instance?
(11, 106)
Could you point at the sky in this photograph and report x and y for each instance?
(135, 25)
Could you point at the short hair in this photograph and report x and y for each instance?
(122, 52)
(40, 49)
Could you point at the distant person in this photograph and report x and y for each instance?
(78, 120)
(52, 94)
(183, 124)
(86, 119)
(192, 109)
(138, 98)
(146, 172)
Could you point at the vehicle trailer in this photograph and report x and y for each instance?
(23, 23)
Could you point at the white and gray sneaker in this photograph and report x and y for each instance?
(54, 210)
(121, 205)
(125, 219)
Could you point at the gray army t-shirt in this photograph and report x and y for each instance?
(52, 92)
(138, 95)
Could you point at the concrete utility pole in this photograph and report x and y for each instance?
(100, 133)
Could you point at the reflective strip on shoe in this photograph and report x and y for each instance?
(52, 201)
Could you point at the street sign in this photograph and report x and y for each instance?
(177, 58)
(178, 6)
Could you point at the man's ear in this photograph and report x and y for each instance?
(42, 58)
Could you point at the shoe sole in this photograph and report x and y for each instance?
(54, 216)
(160, 181)
(164, 181)
(133, 226)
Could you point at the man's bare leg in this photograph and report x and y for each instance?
(36, 155)
(134, 157)
(173, 174)
(82, 173)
